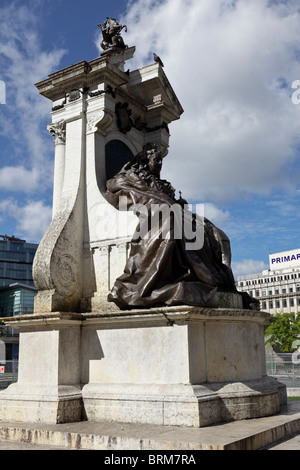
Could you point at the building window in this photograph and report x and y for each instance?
(271, 304)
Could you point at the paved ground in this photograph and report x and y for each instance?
(292, 443)
(8, 445)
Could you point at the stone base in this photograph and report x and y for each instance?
(226, 300)
(252, 434)
(47, 390)
(183, 405)
(49, 405)
(179, 366)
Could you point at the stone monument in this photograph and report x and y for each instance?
(124, 328)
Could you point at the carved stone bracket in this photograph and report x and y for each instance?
(99, 121)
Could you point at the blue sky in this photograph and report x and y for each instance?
(236, 148)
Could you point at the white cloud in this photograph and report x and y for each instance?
(216, 215)
(18, 179)
(247, 267)
(23, 119)
(231, 65)
(35, 219)
(32, 218)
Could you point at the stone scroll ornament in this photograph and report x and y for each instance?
(65, 274)
(160, 271)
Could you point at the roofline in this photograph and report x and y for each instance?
(16, 285)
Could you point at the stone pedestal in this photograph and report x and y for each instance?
(171, 366)
(48, 388)
(178, 366)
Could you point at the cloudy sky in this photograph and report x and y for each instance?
(232, 64)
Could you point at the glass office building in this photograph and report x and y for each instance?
(17, 290)
(16, 299)
(16, 258)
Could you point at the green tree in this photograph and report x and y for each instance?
(284, 331)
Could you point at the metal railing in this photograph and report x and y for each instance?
(8, 373)
(7, 331)
(283, 367)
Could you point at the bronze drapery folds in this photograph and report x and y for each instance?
(160, 270)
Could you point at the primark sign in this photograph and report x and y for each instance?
(286, 259)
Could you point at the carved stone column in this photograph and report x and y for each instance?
(58, 130)
(57, 267)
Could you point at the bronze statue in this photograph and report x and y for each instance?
(111, 32)
(160, 270)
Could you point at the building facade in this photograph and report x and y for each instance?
(16, 299)
(277, 289)
(17, 290)
(16, 258)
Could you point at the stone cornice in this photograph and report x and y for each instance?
(169, 315)
(81, 75)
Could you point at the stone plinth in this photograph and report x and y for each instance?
(178, 366)
(48, 388)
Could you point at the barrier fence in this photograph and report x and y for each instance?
(285, 367)
(8, 373)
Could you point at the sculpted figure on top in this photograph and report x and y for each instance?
(162, 270)
(111, 32)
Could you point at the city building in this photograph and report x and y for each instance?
(16, 299)
(17, 290)
(278, 288)
(16, 258)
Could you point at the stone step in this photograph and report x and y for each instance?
(251, 434)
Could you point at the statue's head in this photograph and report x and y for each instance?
(154, 160)
(149, 159)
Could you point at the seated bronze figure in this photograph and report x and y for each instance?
(160, 270)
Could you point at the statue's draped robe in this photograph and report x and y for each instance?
(160, 271)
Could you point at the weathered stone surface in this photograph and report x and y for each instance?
(172, 366)
(83, 251)
(169, 366)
